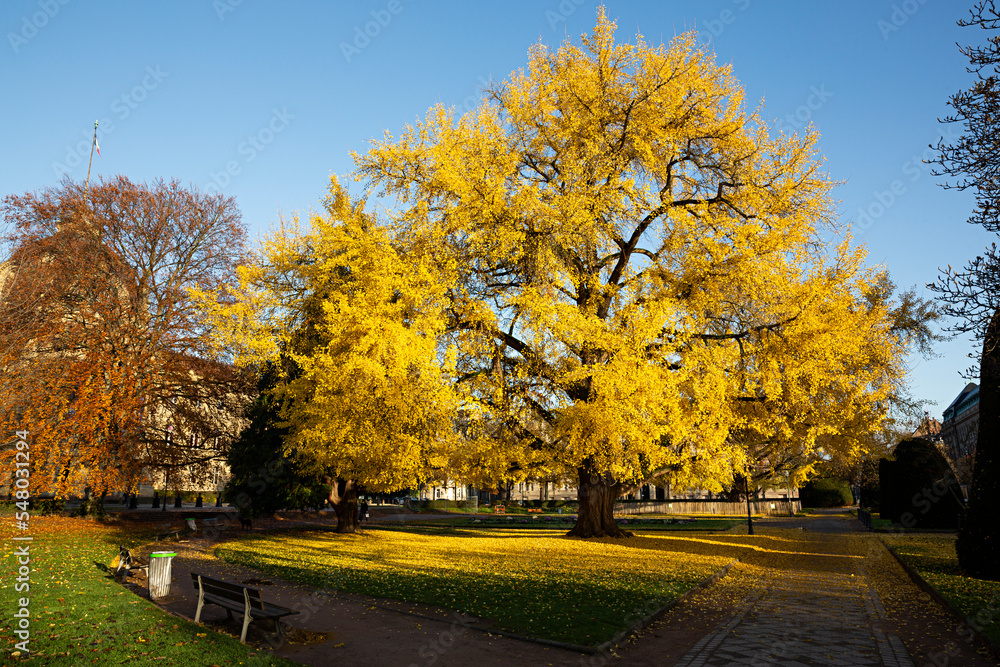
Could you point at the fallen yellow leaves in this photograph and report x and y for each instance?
(540, 583)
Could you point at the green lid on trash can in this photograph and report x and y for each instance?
(162, 554)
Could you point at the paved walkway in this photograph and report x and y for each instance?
(816, 593)
(817, 607)
(804, 618)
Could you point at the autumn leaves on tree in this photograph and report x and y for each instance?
(610, 270)
(105, 358)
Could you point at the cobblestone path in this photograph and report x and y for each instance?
(804, 619)
(815, 605)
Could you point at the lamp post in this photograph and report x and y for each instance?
(788, 485)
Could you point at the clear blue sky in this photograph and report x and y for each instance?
(280, 93)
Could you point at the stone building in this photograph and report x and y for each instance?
(960, 429)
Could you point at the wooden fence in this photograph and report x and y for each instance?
(764, 506)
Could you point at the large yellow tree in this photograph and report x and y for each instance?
(616, 271)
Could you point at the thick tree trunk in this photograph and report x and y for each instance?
(978, 544)
(597, 501)
(344, 498)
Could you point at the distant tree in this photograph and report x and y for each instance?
(868, 484)
(355, 323)
(105, 355)
(972, 295)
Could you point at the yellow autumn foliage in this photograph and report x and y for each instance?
(359, 324)
(643, 283)
(610, 269)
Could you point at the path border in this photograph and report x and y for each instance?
(941, 600)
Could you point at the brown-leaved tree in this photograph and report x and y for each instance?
(103, 348)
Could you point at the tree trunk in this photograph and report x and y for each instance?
(978, 544)
(597, 501)
(344, 498)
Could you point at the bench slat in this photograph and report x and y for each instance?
(223, 587)
(229, 589)
(267, 611)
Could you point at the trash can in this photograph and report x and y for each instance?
(190, 523)
(159, 573)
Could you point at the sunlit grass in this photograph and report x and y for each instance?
(540, 583)
(79, 616)
(934, 559)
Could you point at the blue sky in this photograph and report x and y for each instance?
(265, 100)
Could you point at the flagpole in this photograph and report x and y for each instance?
(86, 186)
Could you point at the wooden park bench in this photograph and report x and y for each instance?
(213, 524)
(165, 531)
(234, 597)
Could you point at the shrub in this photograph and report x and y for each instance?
(918, 488)
(826, 492)
(48, 506)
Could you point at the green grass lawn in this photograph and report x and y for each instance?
(79, 616)
(538, 583)
(879, 523)
(886, 525)
(933, 557)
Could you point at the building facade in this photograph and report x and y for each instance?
(960, 429)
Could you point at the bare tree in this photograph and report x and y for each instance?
(972, 295)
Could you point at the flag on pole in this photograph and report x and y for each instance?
(95, 144)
